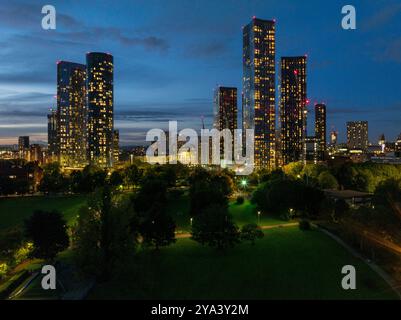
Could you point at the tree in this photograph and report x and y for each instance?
(388, 196)
(116, 178)
(327, 181)
(279, 196)
(103, 236)
(92, 177)
(214, 227)
(53, 180)
(48, 232)
(206, 188)
(133, 175)
(158, 228)
(251, 232)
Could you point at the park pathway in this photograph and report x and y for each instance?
(186, 235)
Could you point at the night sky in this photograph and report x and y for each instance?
(169, 55)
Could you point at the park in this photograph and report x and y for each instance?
(287, 263)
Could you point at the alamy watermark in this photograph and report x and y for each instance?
(205, 150)
(348, 22)
(49, 20)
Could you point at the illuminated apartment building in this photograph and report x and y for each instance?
(259, 52)
(52, 142)
(116, 146)
(100, 108)
(225, 111)
(293, 102)
(320, 130)
(357, 135)
(71, 113)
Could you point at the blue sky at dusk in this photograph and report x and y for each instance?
(169, 55)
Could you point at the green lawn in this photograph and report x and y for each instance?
(242, 214)
(13, 211)
(286, 264)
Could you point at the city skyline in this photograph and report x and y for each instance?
(141, 103)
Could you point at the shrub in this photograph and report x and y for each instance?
(3, 269)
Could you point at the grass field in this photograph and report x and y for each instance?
(286, 264)
(243, 214)
(13, 211)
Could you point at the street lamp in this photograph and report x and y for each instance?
(258, 217)
(190, 221)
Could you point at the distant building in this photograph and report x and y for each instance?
(71, 113)
(116, 146)
(35, 153)
(397, 149)
(100, 108)
(320, 130)
(23, 147)
(312, 147)
(357, 135)
(333, 137)
(259, 73)
(293, 102)
(225, 111)
(20, 177)
(382, 142)
(52, 140)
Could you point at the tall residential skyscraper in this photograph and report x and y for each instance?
(259, 70)
(320, 130)
(116, 146)
(71, 113)
(225, 110)
(52, 143)
(293, 102)
(357, 135)
(100, 108)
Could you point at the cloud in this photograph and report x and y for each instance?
(382, 17)
(206, 50)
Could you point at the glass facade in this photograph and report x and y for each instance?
(225, 111)
(293, 112)
(52, 144)
(71, 113)
(357, 135)
(259, 53)
(100, 71)
(320, 130)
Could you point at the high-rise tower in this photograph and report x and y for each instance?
(259, 71)
(293, 102)
(100, 71)
(71, 113)
(320, 130)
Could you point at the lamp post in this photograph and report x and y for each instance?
(258, 217)
(190, 221)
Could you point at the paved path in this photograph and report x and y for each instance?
(282, 225)
(390, 281)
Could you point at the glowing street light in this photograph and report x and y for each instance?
(190, 221)
(258, 217)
